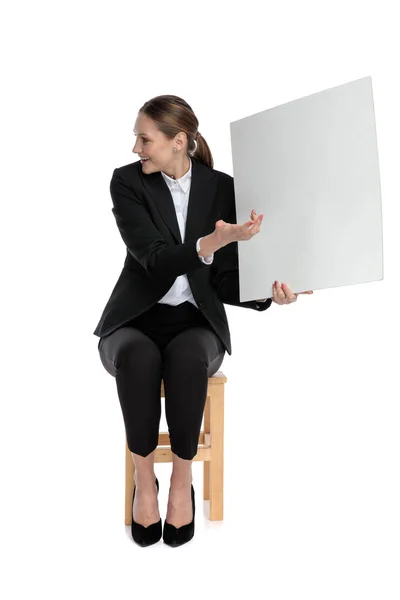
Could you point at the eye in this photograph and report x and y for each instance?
(144, 141)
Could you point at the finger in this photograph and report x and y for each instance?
(279, 291)
(277, 298)
(254, 226)
(254, 215)
(288, 293)
(257, 224)
(274, 294)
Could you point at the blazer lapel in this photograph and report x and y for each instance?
(203, 189)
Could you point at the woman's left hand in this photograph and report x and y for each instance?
(282, 294)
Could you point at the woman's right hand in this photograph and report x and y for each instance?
(226, 233)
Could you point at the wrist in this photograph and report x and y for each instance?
(208, 245)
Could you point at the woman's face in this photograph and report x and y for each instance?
(152, 144)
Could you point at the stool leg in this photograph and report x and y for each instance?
(129, 484)
(217, 454)
(206, 463)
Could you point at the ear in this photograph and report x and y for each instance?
(181, 139)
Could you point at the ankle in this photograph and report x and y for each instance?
(146, 481)
(144, 469)
(180, 481)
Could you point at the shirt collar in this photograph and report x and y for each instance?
(183, 182)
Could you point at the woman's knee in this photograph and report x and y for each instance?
(196, 347)
(128, 345)
(215, 364)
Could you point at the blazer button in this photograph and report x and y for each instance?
(201, 304)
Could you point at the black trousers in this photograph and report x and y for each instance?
(173, 343)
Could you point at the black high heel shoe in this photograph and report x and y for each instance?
(145, 536)
(176, 536)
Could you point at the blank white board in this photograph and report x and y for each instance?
(311, 167)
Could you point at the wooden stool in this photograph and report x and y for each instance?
(210, 451)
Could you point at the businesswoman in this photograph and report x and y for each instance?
(165, 318)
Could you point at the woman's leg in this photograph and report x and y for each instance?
(135, 361)
(190, 358)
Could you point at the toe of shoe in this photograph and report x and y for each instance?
(146, 536)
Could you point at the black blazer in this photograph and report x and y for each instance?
(145, 214)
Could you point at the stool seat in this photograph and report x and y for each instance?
(210, 451)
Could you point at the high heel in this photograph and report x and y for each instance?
(176, 536)
(145, 536)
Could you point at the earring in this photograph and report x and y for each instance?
(195, 150)
(174, 149)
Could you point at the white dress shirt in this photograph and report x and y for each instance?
(180, 290)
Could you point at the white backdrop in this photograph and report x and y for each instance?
(312, 445)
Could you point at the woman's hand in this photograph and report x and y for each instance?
(282, 294)
(226, 233)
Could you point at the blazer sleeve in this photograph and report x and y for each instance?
(142, 238)
(225, 267)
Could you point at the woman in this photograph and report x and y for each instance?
(165, 318)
